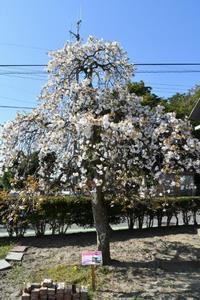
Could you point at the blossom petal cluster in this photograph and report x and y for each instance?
(101, 134)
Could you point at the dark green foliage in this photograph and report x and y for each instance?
(5, 181)
(183, 104)
(63, 211)
(186, 206)
(60, 212)
(14, 213)
(24, 166)
(115, 215)
(148, 98)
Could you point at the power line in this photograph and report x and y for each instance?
(168, 84)
(22, 77)
(36, 73)
(16, 107)
(24, 73)
(136, 64)
(166, 71)
(167, 88)
(22, 65)
(167, 64)
(14, 74)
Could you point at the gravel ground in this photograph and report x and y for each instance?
(149, 264)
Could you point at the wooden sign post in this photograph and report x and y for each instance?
(93, 278)
(93, 259)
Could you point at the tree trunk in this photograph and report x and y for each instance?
(130, 222)
(101, 224)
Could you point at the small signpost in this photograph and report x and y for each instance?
(93, 259)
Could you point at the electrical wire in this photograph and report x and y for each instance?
(166, 71)
(22, 77)
(22, 65)
(167, 84)
(168, 64)
(135, 64)
(41, 75)
(16, 107)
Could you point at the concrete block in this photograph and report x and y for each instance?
(4, 265)
(19, 249)
(15, 256)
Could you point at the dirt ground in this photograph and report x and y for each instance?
(149, 264)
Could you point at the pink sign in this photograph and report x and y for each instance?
(91, 258)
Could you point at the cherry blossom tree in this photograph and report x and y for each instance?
(104, 141)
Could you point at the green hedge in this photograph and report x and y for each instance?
(61, 212)
(188, 207)
(58, 212)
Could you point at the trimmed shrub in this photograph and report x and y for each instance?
(14, 213)
(61, 212)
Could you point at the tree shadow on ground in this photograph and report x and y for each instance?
(174, 257)
(55, 241)
(172, 278)
(89, 238)
(139, 295)
(124, 234)
(173, 272)
(173, 266)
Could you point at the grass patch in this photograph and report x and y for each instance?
(104, 270)
(17, 274)
(72, 274)
(5, 247)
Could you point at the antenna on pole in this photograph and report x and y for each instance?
(77, 34)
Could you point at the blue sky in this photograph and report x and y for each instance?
(149, 30)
